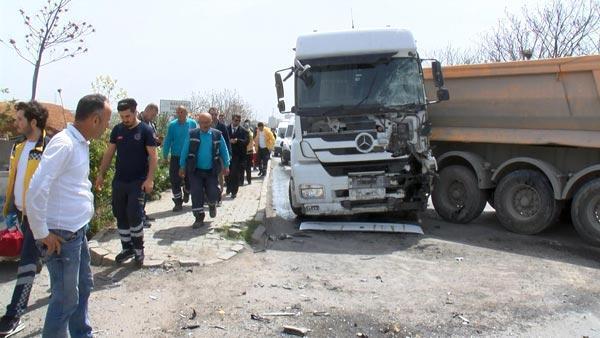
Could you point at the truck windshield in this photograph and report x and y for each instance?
(391, 83)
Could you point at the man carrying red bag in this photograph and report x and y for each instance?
(30, 121)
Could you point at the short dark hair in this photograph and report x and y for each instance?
(33, 110)
(126, 104)
(236, 116)
(260, 124)
(152, 106)
(89, 105)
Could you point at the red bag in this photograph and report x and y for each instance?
(11, 242)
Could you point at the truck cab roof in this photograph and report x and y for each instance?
(399, 42)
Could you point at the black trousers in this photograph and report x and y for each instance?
(203, 182)
(263, 158)
(127, 204)
(25, 272)
(176, 180)
(247, 169)
(236, 168)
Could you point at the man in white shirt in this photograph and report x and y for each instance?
(60, 222)
(30, 121)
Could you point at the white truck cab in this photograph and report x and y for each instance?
(361, 140)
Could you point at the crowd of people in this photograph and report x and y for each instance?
(50, 198)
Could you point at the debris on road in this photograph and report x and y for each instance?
(217, 327)
(379, 278)
(282, 237)
(153, 297)
(363, 335)
(321, 314)
(459, 259)
(461, 317)
(280, 314)
(190, 327)
(193, 315)
(367, 258)
(259, 318)
(297, 331)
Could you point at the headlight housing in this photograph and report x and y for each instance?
(309, 191)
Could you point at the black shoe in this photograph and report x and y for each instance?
(147, 224)
(212, 211)
(233, 196)
(149, 218)
(10, 326)
(186, 197)
(124, 255)
(249, 182)
(139, 258)
(199, 222)
(177, 207)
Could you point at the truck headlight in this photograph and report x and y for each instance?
(311, 191)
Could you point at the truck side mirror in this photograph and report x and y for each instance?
(281, 106)
(443, 94)
(279, 86)
(438, 76)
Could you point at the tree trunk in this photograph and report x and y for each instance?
(36, 71)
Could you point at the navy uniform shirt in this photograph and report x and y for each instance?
(132, 156)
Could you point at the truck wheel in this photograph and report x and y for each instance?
(525, 203)
(585, 212)
(456, 196)
(297, 211)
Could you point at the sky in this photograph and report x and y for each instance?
(169, 49)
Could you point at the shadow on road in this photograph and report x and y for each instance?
(560, 243)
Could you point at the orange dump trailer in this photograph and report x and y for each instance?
(524, 136)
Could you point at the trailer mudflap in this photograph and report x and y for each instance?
(363, 227)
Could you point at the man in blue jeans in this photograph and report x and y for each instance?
(25, 157)
(59, 222)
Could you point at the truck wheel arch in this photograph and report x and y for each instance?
(470, 160)
(551, 172)
(580, 179)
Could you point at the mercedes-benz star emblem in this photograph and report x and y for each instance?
(364, 142)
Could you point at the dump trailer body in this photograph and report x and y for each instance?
(536, 121)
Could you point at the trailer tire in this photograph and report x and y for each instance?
(585, 212)
(524, 202)
(297, 211)
(456, 196)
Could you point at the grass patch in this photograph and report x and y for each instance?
(248, 230)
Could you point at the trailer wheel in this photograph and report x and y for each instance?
(585, 212)
(456, 196)
(297, 211)
(524, 202)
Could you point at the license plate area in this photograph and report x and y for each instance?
(366, 186)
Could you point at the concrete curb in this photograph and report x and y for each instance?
(262, 204)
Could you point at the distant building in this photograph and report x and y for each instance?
(58, 117)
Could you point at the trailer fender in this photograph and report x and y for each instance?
(579, 179)
(552, 173)
(472, 160)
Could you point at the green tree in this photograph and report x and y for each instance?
(107, 86)
(47, 36)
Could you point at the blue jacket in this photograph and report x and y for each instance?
(204, 156)
(176, 135)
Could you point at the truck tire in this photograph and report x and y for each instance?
(456, 196)
(524, 202)
(585, 212)
(297, 211)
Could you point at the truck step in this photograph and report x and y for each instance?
(362, 227)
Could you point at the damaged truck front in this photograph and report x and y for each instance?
(361, 141)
